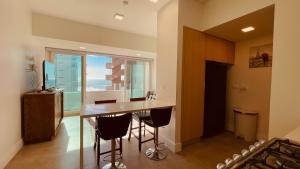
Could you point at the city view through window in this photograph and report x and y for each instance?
(103, 73)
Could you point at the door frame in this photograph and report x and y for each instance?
(50, 55)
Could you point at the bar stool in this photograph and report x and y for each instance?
(111, 128)
(139, 117)
(97, 137)
(159, 117)
(93, 121)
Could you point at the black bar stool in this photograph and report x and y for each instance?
(94, 120)
(97, 137)
(139, 117)
(159, 117)
(111, 128)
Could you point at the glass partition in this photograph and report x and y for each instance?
(68, 78)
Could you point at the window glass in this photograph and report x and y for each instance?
(98, 73)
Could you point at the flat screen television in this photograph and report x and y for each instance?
(49, 79)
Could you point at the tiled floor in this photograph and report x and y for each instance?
(63, 152)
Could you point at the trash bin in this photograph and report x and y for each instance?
(245, 124)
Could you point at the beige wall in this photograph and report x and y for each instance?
(284, 109)
(191, 14)
(53, 27)
(15, 29)
(217, 12)
(285, 98)
(166, 65)
(256, 81)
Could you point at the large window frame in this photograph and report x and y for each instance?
(50, 56)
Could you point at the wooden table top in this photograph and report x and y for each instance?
(92, 110)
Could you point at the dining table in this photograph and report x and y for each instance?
(96, 110)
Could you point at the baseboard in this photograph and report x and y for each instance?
(174, 147)
(190, 142)
(5, 158)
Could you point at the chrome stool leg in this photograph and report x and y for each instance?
(155, 153)
(114, 164)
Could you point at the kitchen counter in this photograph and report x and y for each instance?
(294, 135)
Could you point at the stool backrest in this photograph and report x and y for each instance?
(138, 99)
(161, 116)
(113, 127)
(105, 101)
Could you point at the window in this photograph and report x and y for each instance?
(106, 77)
(68, 78)
(118, 73)
(98, 73)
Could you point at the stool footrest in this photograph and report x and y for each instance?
(117, 165)
(119, 157)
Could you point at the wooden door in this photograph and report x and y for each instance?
(192, 100)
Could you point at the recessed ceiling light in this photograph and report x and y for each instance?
(138, 54)
(119, 17)
(154, 1)
(248, 29)
(83, 48)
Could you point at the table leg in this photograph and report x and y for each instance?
(81, 142)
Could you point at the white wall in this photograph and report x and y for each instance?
(257, 82)
(285, 97)
(59, 28)
(166, 65)
(15, 30)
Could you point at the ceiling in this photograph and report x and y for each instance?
(140, 15)
(262, 20)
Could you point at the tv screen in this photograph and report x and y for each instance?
(48, 75)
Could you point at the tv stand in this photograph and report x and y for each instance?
(42, 113)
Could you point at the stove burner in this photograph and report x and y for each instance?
(276, 154)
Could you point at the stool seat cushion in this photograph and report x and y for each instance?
(113, 127)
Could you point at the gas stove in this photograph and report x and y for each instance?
(274, 154)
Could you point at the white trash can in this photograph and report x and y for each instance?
(245, 124)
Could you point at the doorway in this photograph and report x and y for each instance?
(215, 98)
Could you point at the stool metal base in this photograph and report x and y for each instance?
(155, 154)
(118, 165)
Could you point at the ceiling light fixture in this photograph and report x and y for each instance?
(138, 54)
(153, 1)
(119, 17)
(248, 29)
(83, 48)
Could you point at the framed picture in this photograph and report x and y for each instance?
(261, 56)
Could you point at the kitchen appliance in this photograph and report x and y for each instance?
(276, 153)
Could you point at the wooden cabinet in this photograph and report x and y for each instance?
(219, 50)
(192, 96)
(42, 113)
(197, 48)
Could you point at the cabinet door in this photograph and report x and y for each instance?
(219, 50)
(192, 100)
